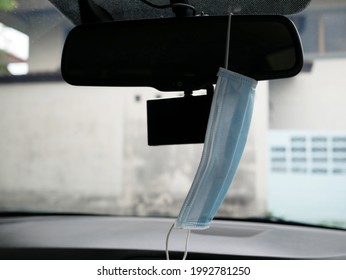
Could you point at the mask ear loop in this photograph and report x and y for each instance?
(228, 39)
(186, 242)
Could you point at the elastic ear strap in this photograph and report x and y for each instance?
(167, 239)
(228, 39)
(186, 242)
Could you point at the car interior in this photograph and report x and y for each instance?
(150, 69)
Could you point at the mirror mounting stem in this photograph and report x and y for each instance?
(181, 8)
(209, 89)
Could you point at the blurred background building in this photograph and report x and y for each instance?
(64, 148)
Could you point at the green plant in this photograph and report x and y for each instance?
(8, 5)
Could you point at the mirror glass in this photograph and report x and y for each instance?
(174, 54)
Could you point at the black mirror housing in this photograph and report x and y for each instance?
(180, 54)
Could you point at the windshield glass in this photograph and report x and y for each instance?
(66, 149)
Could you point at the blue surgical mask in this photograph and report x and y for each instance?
(225, 139)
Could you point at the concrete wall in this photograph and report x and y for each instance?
(59, 139)
(307, 178)
(82, 149)
(311, 101)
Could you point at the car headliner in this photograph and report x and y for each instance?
(123, 9)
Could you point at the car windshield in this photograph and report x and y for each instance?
(67, 149)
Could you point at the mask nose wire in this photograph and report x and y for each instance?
(228, 39)
(186, 242)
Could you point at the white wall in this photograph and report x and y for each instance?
(307, 106)
(311, 101)
(59, 138)
(68, 148)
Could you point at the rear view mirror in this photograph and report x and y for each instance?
(180, 54)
